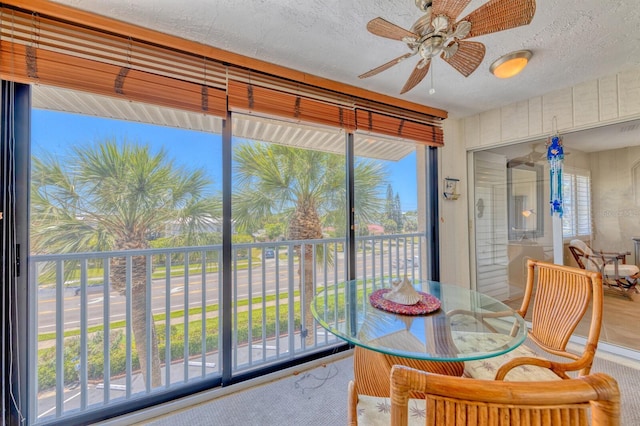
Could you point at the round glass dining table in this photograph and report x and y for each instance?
(468, 325)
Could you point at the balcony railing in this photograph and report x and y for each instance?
(82, 321)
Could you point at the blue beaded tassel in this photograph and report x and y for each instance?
(555, 156)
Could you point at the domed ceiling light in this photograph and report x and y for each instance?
(510, 64)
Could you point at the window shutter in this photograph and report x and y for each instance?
(583, 205)
(576, 192)
(568, 206)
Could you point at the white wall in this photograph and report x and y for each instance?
(616, 212)
(600, 102)
(453, 217)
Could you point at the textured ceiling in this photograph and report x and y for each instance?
(572, 41)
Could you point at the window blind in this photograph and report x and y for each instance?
(248, 97)
(374, 122)
(73, 49)
(36, 49)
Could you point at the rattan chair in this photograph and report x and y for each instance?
(372, 372)
(563, 295)
(454, 401)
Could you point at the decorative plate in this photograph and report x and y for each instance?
(425, 305)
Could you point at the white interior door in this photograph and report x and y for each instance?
(490, 219)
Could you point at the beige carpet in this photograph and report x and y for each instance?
(319, 396)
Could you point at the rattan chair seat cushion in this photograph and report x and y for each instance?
(486, 369)
(376, 411)
(624, 270)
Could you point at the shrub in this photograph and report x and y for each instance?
(118, 352)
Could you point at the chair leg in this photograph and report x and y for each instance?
(628, 286)
(633, 293)
(352, 405)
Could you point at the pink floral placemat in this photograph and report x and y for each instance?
(426, 305)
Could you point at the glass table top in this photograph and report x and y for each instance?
(467, 326)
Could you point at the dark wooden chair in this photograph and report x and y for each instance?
(616, 272)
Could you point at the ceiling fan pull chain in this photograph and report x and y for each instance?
(432, 90)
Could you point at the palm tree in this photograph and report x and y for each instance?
(309, 188)
(111, 196)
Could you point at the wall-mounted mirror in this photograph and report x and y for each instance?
(525, 201)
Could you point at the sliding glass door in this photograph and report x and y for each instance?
(125, 254)
(288, 216)
(600, 208)
(390, 227)
(140, 286)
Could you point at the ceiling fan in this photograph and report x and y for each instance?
(532, 158)
(528, 160)
(437, 33)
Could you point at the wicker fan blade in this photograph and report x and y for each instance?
(383, 28)
(500, 15)
(416, 76)
(451, 8)
(387, 65)
(467, 58)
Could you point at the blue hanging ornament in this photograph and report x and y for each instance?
(555, 156)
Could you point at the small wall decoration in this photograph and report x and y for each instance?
(451, 189)
(480, 207)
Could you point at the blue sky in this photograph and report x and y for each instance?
(56, 132)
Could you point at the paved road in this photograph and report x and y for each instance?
(257, 281)
(176, 290)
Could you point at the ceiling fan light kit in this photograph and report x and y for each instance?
(511, 64)
(439, 33)
(528, 212)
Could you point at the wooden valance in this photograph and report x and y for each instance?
(373, 122)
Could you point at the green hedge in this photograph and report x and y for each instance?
(117, 345)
